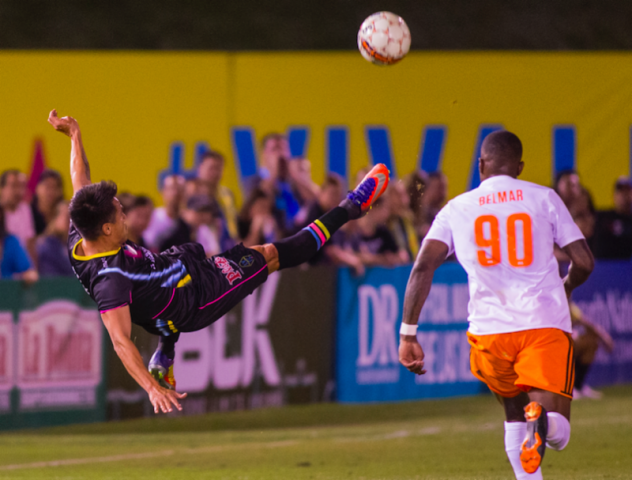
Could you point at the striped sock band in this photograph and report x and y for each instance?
(319, 232)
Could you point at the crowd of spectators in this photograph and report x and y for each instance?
(278, 201)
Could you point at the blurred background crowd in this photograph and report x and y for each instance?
(280, 200)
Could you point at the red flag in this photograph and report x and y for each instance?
(38, 165)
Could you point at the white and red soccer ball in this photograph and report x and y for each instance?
(384, 38)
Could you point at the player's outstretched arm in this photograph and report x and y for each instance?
(430, 257)
(582, 264)
(119, 325)
(79, 166)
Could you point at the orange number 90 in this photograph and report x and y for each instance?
(491, 257)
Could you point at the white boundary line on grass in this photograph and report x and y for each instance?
(138, 456)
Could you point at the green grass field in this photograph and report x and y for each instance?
(444, 439)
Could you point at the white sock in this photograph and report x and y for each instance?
(559, 431)
(515, 434)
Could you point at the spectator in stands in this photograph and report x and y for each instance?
(257, 225)
(52, 250)
(139, 214)
(274, 179)
(587, 337)
(210, 172)
(433, 199)
(14, 262)
(613, 229)
(300, 173)
(18, 217)
(568, 187)
(401, 221)
(127, 199)
(373, 242)
(165, 219)
(191, 218)
(48, 193)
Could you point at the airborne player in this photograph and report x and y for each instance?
(503, 234)
(179, 290)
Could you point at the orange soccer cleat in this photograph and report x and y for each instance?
(534, 446)
(372, 186)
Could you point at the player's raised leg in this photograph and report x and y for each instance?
(299, 248)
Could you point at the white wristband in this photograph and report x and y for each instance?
(407, 329)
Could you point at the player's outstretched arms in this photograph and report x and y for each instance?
(582, 264)
(119, 325)
(431, 256)
(79, 166)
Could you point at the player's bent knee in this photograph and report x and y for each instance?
(559, 432)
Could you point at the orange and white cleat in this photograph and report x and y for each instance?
(534, 446)
(372, 186)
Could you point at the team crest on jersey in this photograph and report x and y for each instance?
(246, 261)
(227, 269)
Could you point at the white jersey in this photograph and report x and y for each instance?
(503, 234)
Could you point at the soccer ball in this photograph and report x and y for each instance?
(384, 38)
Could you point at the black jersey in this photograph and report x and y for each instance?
(177, 290)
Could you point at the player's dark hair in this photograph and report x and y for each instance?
(92, 207)
(4, 177)
(503, 146)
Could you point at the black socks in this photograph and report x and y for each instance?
(167, 345)
(301, 247)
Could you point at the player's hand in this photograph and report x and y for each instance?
(66, 125)
(411, 355)
(162, 399)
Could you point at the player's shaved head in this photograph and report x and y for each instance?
(501, 154)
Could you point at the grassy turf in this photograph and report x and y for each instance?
(447, 439)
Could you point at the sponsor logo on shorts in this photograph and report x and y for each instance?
(227, 269)
(246, 261)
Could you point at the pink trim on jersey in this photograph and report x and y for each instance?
(172, 295)
(110, 309)
(238, 285)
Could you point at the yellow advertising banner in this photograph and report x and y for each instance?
(145, 114)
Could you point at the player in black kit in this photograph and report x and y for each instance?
(178, 290)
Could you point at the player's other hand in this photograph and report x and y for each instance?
(66, 125)
(162, 399)
(411, 355)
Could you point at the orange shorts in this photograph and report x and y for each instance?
(510, 363)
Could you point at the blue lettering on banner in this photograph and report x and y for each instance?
(431, 150)
(563, 148)
(606, 299)
(379, 146)
(369, 315)
(245, 153)
(475, 175)
(297, 138)
(176, 161)
(338, 150)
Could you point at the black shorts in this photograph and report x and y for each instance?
(221, 282)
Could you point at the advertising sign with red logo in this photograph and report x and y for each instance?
(59, 360)
(6, 360)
